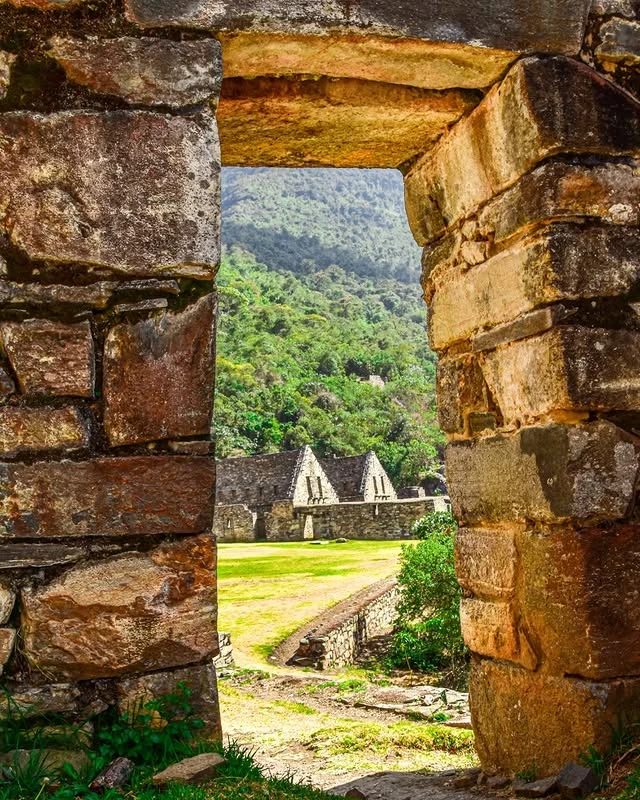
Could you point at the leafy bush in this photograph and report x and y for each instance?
(427, 635)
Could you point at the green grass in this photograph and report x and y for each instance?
(266, 590)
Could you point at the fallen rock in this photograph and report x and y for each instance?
(577, 781)
(197, 769)
(497, 782)
(356, 794)
(539, 788)
(117, 773)
(467, 778)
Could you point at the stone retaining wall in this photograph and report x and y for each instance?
(346, 628)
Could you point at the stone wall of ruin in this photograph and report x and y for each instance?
(109, 184)
(528, 211)
(339, 640)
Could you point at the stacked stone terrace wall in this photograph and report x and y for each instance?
(109, 184)
(341, 634)
(528, 211)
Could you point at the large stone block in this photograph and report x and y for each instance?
(491, 629)
(304, 122)
(129, 191)
(510, 24)
(546, 473)
(525, 720)
(543, 107)
(25, 430)
(150, 72)
(571, 368)
(50, 358)
(558, 190)
(174, 351)
(486, 561)
(135, 495)
(554, 264)
(126, 614)
(200, 680)
(579, 596)
(461, 390)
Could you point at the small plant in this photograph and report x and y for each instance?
(528, 774)
(427, 635)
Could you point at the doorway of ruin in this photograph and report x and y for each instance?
(521, 185)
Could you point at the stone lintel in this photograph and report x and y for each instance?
(543, 108)
(556, 27)
(332, 122)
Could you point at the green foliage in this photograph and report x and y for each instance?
(427, 635)
(306, 220)
(294, 356)
(154, 733)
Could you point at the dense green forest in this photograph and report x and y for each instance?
(303, 220)
(299, 338)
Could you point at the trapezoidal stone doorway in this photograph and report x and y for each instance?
(525, 198)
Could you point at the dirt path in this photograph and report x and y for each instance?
(311, 726)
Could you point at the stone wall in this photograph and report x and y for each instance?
(234, 523)
(346, 628)
(528, 210)
(389, 520)
(109, 243)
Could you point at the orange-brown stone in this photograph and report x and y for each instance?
(50, 358)
(137, 495)
(158, 376)
(130, 613)
(25, 430)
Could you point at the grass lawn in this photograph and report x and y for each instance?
(267, 590)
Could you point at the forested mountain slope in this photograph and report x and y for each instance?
(306, 320)
(309, 219)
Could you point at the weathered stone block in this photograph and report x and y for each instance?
(530, 324)
(174, 351)
(18, 555)
(107, 497)
(24, 430)
(7, 640)
(522, 718)
(486, 561)
(199, 679)
(6, 62)
(490, 629)
(547, 473)
(133, 192)
(566, 369)
(554, 264)
(543, 107)
(125, 614)
(579, 597)
(44, 5)
(620, 43)
(557, 190)
(38, 701)
(151, 72)
(308, 122)
(511, 24)
(461, 388)
(50, 358)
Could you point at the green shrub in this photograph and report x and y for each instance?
(427, 635)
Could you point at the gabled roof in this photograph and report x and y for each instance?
(347, 475)
(247, 474)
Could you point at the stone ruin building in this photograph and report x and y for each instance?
(292, 496)
(517, 128)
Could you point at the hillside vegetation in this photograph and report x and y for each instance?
(298, 342)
